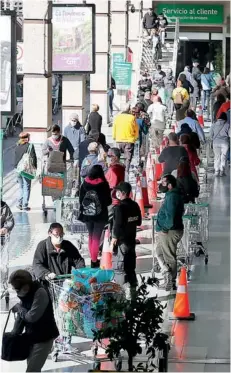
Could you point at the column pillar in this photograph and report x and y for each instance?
(119, 41)
(99, 82)
(73, 98)
(37, 97)
(134, 22)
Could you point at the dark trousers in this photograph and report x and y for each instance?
(95, 229)
(124, 264)
(111, 97)
(128, 150)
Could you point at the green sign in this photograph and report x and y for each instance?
(192, 13)
(117, 57)
(122, 73)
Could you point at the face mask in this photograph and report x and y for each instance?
(163, 188)
(55, 137)
(56, 240)
(118, 195)
(22, 293)
(108, 160)
(73, 123)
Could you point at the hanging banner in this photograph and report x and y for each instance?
(122, 73)
(19, 57)
(74, 38)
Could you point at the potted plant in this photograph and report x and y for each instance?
(140, 321)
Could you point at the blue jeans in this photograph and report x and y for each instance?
(206, 99)
(24, 193)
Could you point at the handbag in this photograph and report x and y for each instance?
(15, 347)
(55, 162)
(25, 166)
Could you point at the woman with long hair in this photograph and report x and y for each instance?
(94, 198)
(194, 160)
(186, 183)
(24, 146)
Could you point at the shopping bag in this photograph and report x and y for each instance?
(15, 347)
(55, 163)
(25, 166)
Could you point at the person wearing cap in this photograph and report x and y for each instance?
(75, 133)
(126, 219)
(24, 183)
(91, 159)
(94, 120)
(125, 132)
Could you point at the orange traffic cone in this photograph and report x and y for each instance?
(200, 117)
(139, 196)
(158, 171)
(106, 259)
(181, 309)
(152, 185)
(145, 189)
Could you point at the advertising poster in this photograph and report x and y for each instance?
(73, 38)
(5, 42)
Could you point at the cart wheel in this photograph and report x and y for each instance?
(206, 260)
(96, 366)
(45, 213)
(118, 365)
(54, 356)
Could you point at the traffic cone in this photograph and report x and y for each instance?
(181, 309)
(200, 117)
(158, 171)
(145, 190)
(106, 259)
(152, 185)
(139, 196)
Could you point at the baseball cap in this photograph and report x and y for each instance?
(124, 187)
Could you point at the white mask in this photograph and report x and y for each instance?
(73, 123)
(56, 240)
(118, 195)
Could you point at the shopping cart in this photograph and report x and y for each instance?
(4, 265)
(75, 314)
(199, 228)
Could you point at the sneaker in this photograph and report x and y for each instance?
(95, 264)
(19, 207)
(26, 208)
(217, 173)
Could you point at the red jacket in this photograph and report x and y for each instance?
(114, 175)
(193, 159)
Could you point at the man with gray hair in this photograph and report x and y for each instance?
(125, 132)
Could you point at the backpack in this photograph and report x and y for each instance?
(178, 99)
(91, 205)
(25, 166)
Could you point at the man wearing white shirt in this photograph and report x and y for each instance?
(158, 116)
(193, 124)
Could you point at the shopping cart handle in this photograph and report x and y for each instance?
(60, 277)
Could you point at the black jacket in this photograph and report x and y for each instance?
(171, 157)
(188, 86)
(95, 122)
(127, 217)
(189, 188)
(45, 327)
(104, 194)
(48, 260)
(145, 85)
(83, 152)
(20, 150)
(149, 21)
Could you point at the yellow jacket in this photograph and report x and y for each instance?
(183, 91)
(125, 128)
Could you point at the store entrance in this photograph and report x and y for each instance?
(205, 51)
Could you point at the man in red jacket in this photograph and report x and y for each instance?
(116, 171)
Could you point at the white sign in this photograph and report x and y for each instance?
(5, 63)
(20, 57)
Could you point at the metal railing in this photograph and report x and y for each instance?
(175, 46)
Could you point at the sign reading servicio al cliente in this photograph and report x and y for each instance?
(192, 13)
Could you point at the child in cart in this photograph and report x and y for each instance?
(55, 256)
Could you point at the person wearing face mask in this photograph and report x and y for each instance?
(75, 133)
(115, 173)
(126, 219)
(169, 226)
(55, 256)
(35, 315)
(59, 143)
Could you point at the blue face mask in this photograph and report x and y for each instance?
(55, 137)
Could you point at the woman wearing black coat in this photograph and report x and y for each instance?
(94, 121)
(94, 198)
(186, 183)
